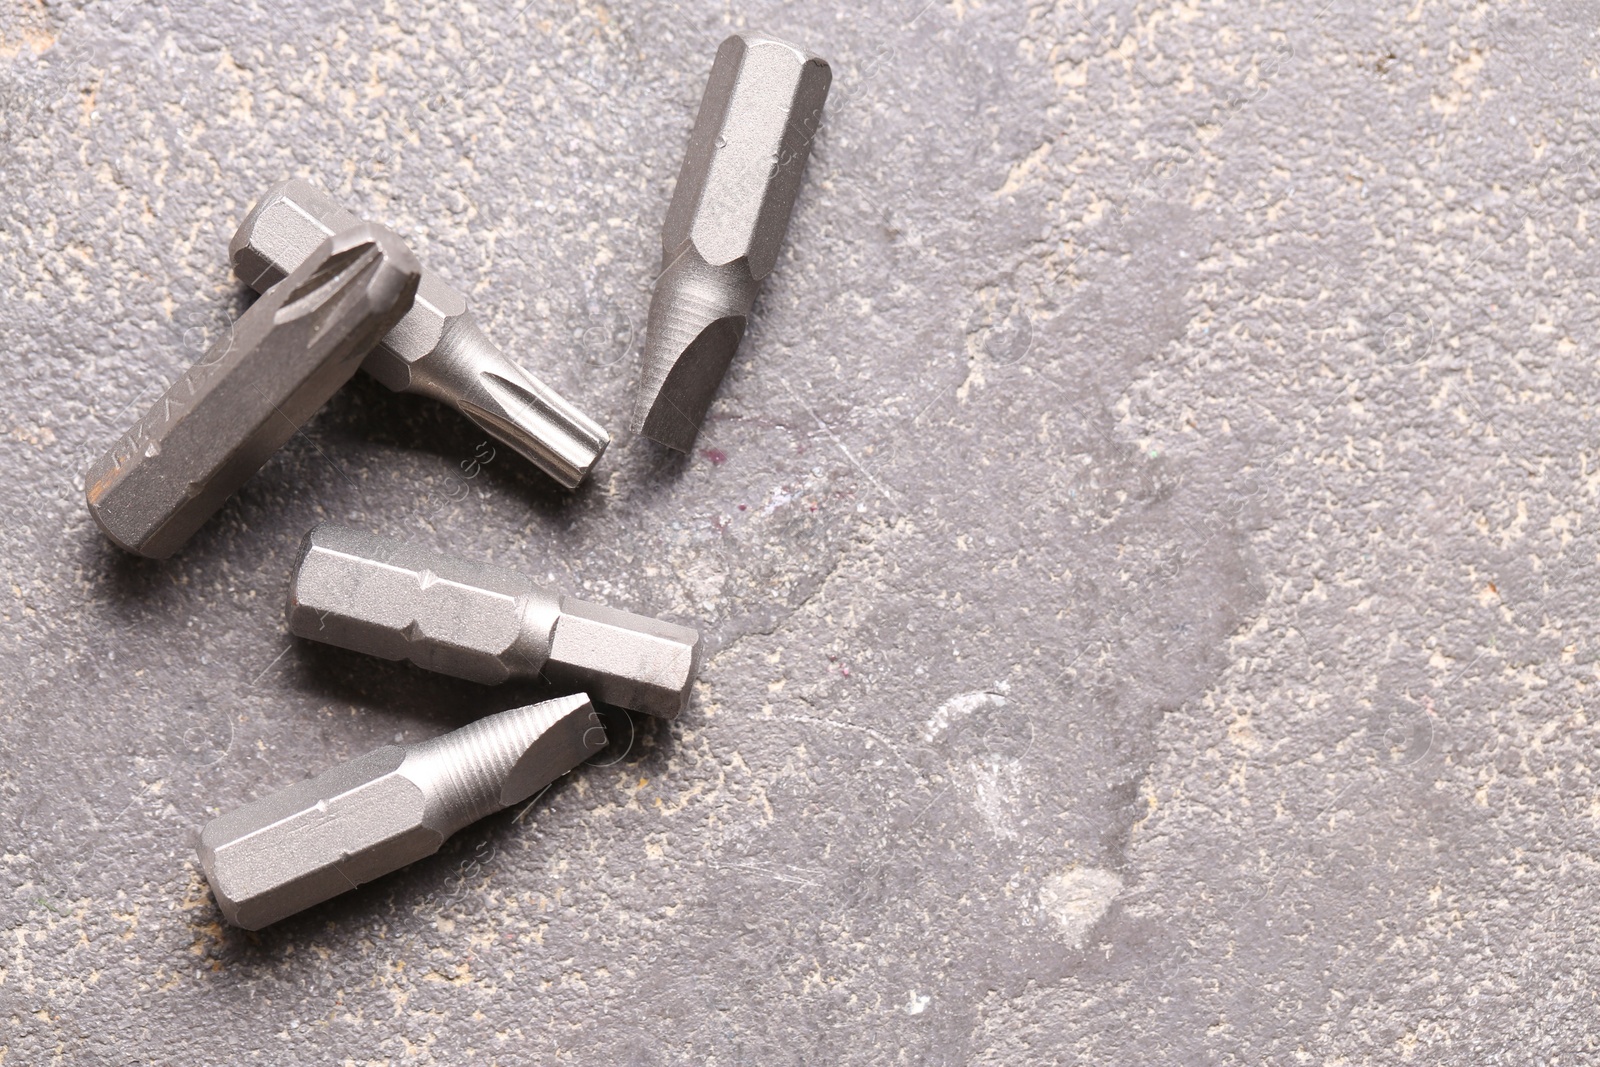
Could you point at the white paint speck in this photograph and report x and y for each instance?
(961, 705)
(1076, 900)
(918, 1003)
(994, 783)
(779, 498)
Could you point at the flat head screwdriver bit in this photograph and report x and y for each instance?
(725, 225)
(484, 623)
(437, 350)
(362, 819)
(218, 423)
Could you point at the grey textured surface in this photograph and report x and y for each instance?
(1146, 536)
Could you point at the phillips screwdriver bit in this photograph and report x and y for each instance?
(483, 623)
(437, 350)
(725, 225)
(362, 819)
(218, 423)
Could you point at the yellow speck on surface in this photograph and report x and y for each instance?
(1024, 169)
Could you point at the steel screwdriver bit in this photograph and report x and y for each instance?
(218, 423)
(725, 225)
(362, 819)
(437, 350)
(484, 623)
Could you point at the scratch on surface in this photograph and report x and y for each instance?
(838, 725)
(265, 670)
(776, 876)
(883, 490)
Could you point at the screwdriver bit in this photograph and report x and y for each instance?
(437, 350)
(217, 424)
(362, 819)
(484, 623)
(725, 225)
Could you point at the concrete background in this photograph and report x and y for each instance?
(1145, 540)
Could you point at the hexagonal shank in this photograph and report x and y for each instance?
(437, 350)
(280, 362)
(725, 226)
(375, 814)
(481, 622)
(747, 153)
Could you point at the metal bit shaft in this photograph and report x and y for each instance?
(219, 422)
(437, 350)
(316, 839)
(725, 226)
(484, 623)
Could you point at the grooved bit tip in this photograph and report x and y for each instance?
(437, 350)
(724, 228)
(277, 364)
(377, 813)
(484, 623)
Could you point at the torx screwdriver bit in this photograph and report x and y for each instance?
(437, 350)
(729, 211)
(250, 393)
(362, 819)
(481, 622)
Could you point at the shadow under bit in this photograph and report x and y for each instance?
(367, 412)
(329, 673)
